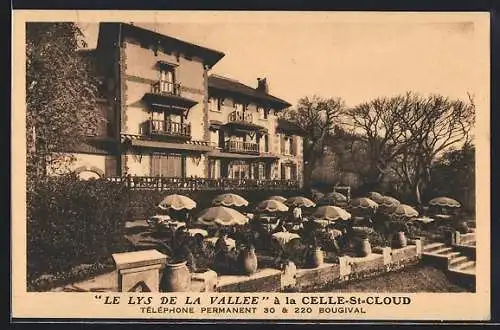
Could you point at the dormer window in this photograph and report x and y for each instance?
(238, 106)
(262, 112)
(215, 104)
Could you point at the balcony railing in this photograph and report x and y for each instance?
(166, 88)
(243, 147)
(169, 128)
(241, 116)
(191, 184)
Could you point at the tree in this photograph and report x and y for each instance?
(380, 137)
(453, 175)
(60, 94)
(317, 117)
(430, 125)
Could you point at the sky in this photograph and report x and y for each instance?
(356, 60)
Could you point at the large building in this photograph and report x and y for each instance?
(169, 117)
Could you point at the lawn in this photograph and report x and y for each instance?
(415, 279)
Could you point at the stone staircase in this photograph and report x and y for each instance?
(459, 266)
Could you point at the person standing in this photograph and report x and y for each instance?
(297, 214)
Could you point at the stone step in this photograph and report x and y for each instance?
(465, 266)
(452, 255)
(433, 246)
(458, 261)
(441, 251)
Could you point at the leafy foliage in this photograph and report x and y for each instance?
(72, 222)
(60, 93)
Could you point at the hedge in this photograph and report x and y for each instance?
(72, 222)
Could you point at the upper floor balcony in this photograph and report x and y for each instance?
(240, 116)
(166, 96)
(169, 128)
(241, 147)
(163, 87)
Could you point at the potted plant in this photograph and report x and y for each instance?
(179, 267)
(362, 244)
(398, 229)
(247, 259)
(314, 254)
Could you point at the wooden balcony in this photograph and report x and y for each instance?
(240, 116)
(241, 147)
(166, 88)
(191, 184)
(169, 128)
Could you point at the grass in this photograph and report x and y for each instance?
(409, 280)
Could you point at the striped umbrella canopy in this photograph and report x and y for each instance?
(229, 200)
(271, 205)
(337, 196)
(332, 213)
(300, 201)
(221, 216)
(375, 196)
(278, 198)
(404, 211)
(363, 203)
(444, 202)
(177, 202)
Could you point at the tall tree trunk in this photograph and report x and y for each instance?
(308, 168)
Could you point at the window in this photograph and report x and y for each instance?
(266, 143)
(169, 165)
(215, 104)
(214, 168)
(167, 80)
(262, 112)
(238, 106)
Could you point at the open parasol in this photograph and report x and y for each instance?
(270, 205)
(278, 198)
(300, 201)
(444, 202)
(388, 204)
(222, 216)
(404, 211)
(363, 203)
(375, 196)
(229, 200)
(331, 213)
(177, 202)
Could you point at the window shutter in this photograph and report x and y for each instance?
(283, 171)
(294, 145)
(282, 143)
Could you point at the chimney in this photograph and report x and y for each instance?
(262, 85)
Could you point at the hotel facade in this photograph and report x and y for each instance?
(169, 119)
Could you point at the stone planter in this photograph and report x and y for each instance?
(247, 260)
(315, 257)
(399, 240)
(176, 277)
(363, 247)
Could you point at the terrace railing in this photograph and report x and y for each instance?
(166, 88)
(169, 128)
(240, 146)
(190, 184)
(240, 116)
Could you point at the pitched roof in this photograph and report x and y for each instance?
(209, 56)
(234, 86)
(290, 127)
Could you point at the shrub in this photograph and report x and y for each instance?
(70, 222)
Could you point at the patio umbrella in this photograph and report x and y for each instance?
(270, 205)
(337, 196)
(404, 211)
(388, 204)
(363, 203)
(229, 200)
(177, 202)
(316, 195)
(375, 196)
(334, 198)
(222, 216)
(444, 202)
(278, 198)
(331, 213)
(300, 201)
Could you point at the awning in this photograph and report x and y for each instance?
(215, 154)
(245, 126)
(169, 145)
(168, 100)
(269, 156)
